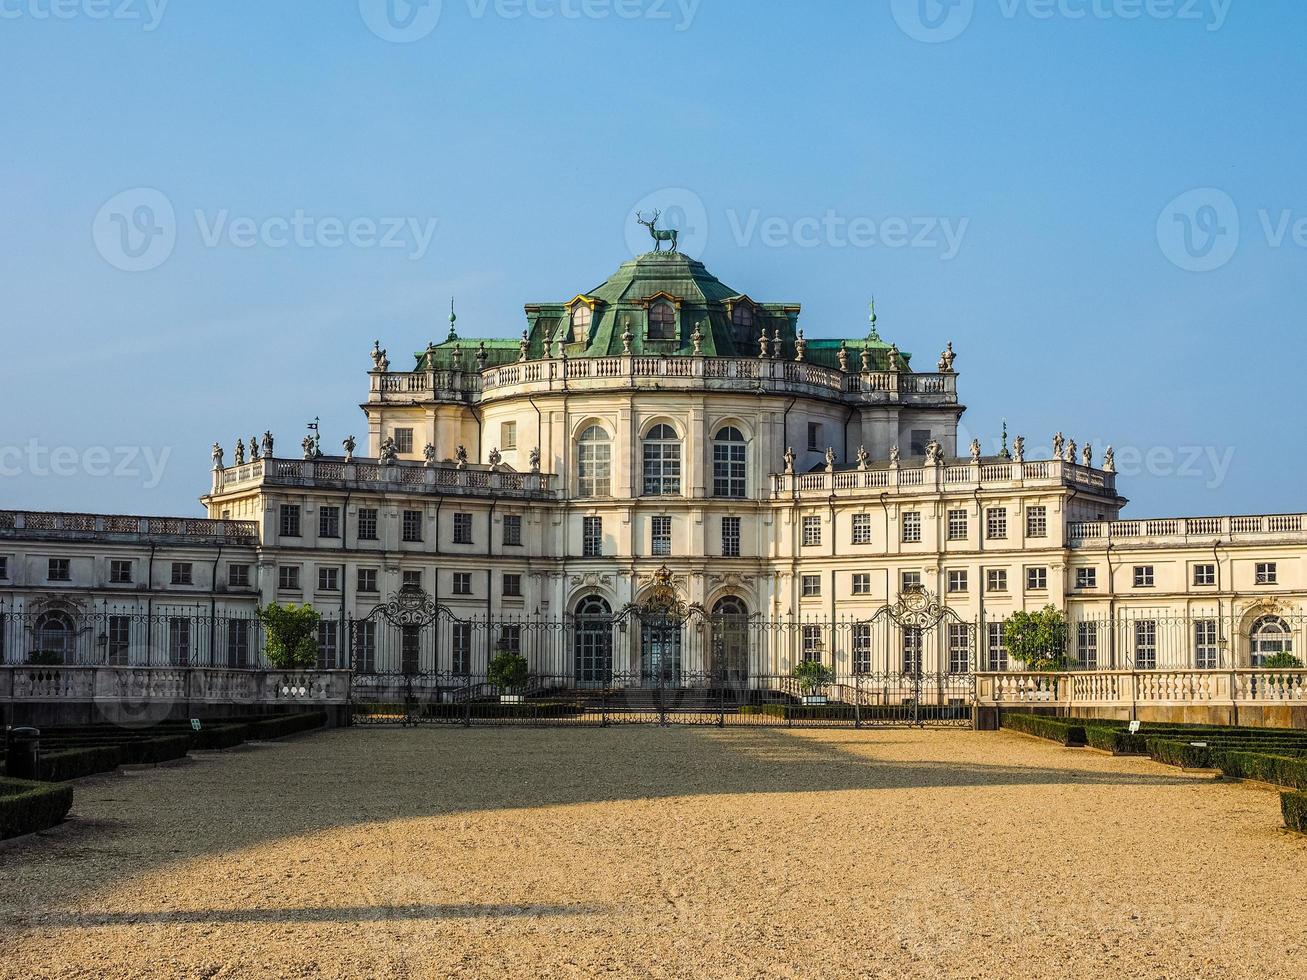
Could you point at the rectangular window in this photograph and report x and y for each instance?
(1036, 522)
(59, 570)
(594, 464)
(412, 525)
(367, 524)
(811, 586)
(365, 647)
(1037, 578)
(1266, 573)
(1205, 644)
(120, 640)
(729, 473)
(730, 537)
(959, 648)
(1087, 645)
(1146, 644)
(462, 529)
(919, 440)
(1143, 576)
(4, 568)
(660, 536)
(861, 648)
(238, 643)
(512, 530)
(996, 523)
(328, 579)
(461, 647)
(912, 527)
(957, 525)
(957, 580)
(1086, 578)
(510, 638)
(507, 435)
(288, 578)
(327, 636)
(411, 578)
(179, 641)
(367, 580)
(910, 581)
(812, 645)
(328, 522)
(592, 537)
(814, 437)
(290, 520)
(120, 572)
(403, 440)
(1204, 575)
(462, 583)
(996, 580)
(912, 645)
(862, 529)
(862, 583)
(662, 463)
(997, 647)
(183, 573)
(811, 531)
(512, 585)
(238, 576)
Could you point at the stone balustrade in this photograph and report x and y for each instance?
(689, 372)
(1187, 530)
(990, 473)
(185, 529)
(444, 479)
(173, 685)
(1117, 688)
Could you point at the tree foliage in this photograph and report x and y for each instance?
(508, 670)
(292, 633)
(1284, 660)
(812, 675)
(1037, 639)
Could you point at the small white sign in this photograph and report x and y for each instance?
(195, 724)
(1134, 728)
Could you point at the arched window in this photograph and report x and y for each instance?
(581, 316)
(53, 636)
(662, 462)
(662, 321)
(593, 642)
(729, 473)
(730, 642)
(594, 464)
(1270, 636)
(742, 325)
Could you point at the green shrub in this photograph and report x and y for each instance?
(45, 658)
(58, 767)
(292, 633)
(1282, 661)
(1279, 770)
(1037, 639)
(507, 671)
(152, 751)
(1181, 754)
(1115, 740)
(1059, 730)
(1294, 808)
(812, 675)
(26, 807)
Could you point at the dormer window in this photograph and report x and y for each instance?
(742, 324)
(662, 321)
(581, 317)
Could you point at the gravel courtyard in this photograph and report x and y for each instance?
(647, 852)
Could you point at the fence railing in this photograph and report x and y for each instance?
(1157, 687)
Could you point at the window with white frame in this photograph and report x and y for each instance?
(1143, 577)
(1267, 573)
(179, 641)
(288, 578)
(411, 529)
(1037, 522)
(120, 571)
(594, 463)
(1205, 574)
(996, 523)
(328, 521)
(403, 440)
(328, 579)
(462, 529)
(238, 575)
(367, 580)
(290, 520)
(957, 525)
(912, 527)
(862, 583)
(910, 582)
(729, 463)
(957, 580)
(327, 636)
(811, 586)
(660, 535)
(959, 648)
(1086, 578)
(460, 647)
(510, 638)
(582, 316)
(1036, 578)
(1269, 637)
(183, 573)
(662, 462)
(742, 327)
(367, 524)
(730, 537)
(996, 580)
(365, 646)
(507, 435)
(997, 647)
(811, 530)
(1145, 644)
(512, 532)
(462, 583)
(862, 529)
(813, 646)
(1087, 645)
(411, 578)
(913, 641)
(662, 321)
(861, 648)
(592, 537)
(1206, 647)
(120, 640)
(512, 585)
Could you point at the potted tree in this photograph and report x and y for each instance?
(1039, 641)
(292, 642)
(508, 673)
(813, 677)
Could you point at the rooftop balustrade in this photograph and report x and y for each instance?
(1187, 530)
(26, 524)
(445, 479)
(991, 473)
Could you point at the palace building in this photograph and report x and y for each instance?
(661, 477)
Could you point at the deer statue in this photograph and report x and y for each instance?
(659, 235)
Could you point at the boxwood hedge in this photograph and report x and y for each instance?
(1280, 770)
(1060, 730)
(26, 807)
(1294, 808)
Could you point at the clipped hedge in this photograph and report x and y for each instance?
(1276, 769)
(283, 725)
(1182, 754)
(1294, 808)
(1115, 740)
(26, 807)
(152, 751)
(1060, 730)
(495, 710)
(58, 767)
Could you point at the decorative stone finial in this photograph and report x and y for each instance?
(481, 356)
(379, 362)
(1003, 451)
(627, 336)
(894, 357)
(522, 346)
(776, 342)
(873, 335)
(762, 345)
(453, 319)
(696, 338)
(456, 357)
(843, 356)
(866, 360)
(946, 359)
(800, 347)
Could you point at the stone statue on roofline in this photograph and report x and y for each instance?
(307, 446)
(429, 456)
(696, 338)
(349, 445)
(496, 460)
(1059, 445)
(522, 346)
(1070, 451)
(217, 456)
(1109, 460)
(240, 453)
(776, 343)
(460, 457)
(254, 448)
(830, 459)
(762, 345)
(800, 347)
(267, 445)
(1087, 455)
(934, 453)
(1019, 449)
(866, 360)
(379, 361)
(389, 452)
(894, 455)
(789, 459)
(534, 459)
(863, 457)
(975, 450)
(894, 357)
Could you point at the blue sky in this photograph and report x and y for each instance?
(1097, 201)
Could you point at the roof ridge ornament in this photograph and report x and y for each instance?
(453, 318)
(874, 335)
(659, 235)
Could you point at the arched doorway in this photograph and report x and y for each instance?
(593, 641)
(660, 649)
(1269, 637)
(729, 661)
(52, 637)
